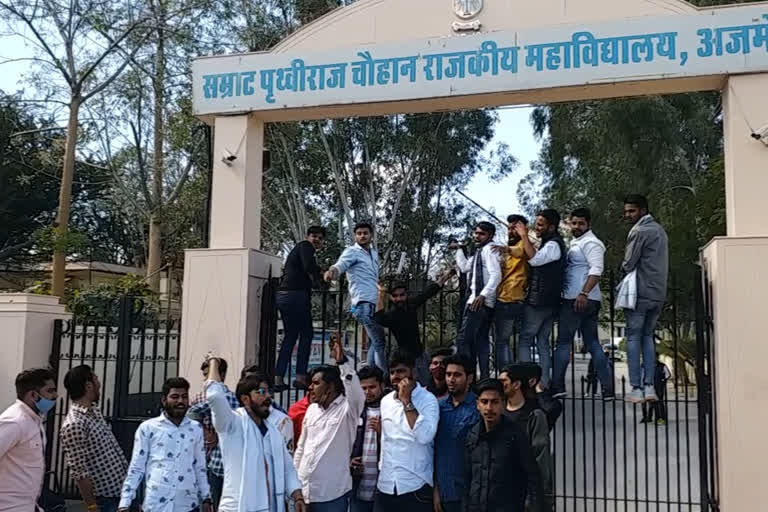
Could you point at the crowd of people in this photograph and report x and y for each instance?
(408, 432)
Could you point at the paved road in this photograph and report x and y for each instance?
(602, 451)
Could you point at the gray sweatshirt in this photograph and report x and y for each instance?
(647, 252)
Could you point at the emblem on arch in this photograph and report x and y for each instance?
(467, 9)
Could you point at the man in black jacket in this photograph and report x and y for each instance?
(294, 300)
(545, 288)
(402, 319)
(364, 461)
(501, 471)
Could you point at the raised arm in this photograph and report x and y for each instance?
(222, 415)
(462, 262)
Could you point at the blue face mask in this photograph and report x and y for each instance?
(44, 405)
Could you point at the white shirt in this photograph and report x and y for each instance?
(585, 258)
(283, 423)
(258, 471)
(407, 455)
(491, 273)
(171, 461)
(325, 444)
(547, 253)
(22, 458)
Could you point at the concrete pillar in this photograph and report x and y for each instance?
(26, 324)
(238, 150)
(745, 108)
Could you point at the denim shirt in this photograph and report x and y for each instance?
(455, 424)
(362, 268)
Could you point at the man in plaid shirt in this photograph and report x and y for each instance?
(200, 410)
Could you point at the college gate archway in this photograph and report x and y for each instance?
(396, 56)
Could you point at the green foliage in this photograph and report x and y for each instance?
(101, 302)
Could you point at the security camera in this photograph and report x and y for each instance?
(228, 158)
(761, 134)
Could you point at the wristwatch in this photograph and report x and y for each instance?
(586, 294)
(409, 407)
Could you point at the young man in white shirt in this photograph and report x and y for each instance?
(169, 457)
(483, 277)
(328, 433)
(545, 288)
(581, 304)
(409, 417)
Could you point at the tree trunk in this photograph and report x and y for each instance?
(65, 200)
(155, 258)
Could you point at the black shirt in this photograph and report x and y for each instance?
(301, 268)
(403, 321)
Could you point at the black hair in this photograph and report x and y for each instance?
(330, 375)
(76, 379)
(461, 360)
(398, 284)
(371, 372)
(440, 352)
(518, 372)
(254, 368)
(489, 385)
(316, 230)
(363, 225)
(638, 200)
(583, 213)
(223, 366)
(517, 218)
(250, 383)
(401, 357)
(487, 227)
(531, 370)
(551, 215)
(175, 382)
(32, 380)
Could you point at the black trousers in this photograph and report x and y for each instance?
(417, 501)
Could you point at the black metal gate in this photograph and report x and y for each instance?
(133, 352)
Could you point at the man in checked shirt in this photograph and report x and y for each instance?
(94, 457)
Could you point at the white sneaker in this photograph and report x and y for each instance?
(650, 394)
(635, 396)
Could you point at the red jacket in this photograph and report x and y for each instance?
(296, 412)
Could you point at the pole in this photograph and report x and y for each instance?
(465, 196)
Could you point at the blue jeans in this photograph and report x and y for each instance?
(296, 311)
(358, 505)
(377, 351)
(337, 505)
(506, 316)
(586, 321)
(472, 340)
(641, 324)
(537, 326)
(108, 504)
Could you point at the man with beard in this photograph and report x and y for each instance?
(94, 457)
(169, 456)
(409, 417)
(458, 414)
(484, 276)
(545, 288)
(364, 462)
(581, 305)
(328, 433)
(258, 471)
(437, 385)
(402, 319)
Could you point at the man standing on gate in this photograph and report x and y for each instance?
(508, 312)
(409, 417)
(545, 287)
(94, 457)
(294, 300)
(361, 263)
(484, 276)
(169, 457)
(22, 440)
(581, 304)
(647, 255)
(328, 434)
(458, 414)
(364, 462)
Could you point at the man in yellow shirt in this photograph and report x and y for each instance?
(510, 293)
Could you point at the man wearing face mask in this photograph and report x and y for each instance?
(94, 457)
(258, 471)
(169, 456)
(484, 276)
(22, 441)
